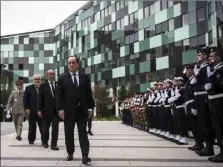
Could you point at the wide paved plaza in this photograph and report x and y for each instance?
(113, 144)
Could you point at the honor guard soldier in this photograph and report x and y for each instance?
(215, 97)
(190, 108)
(15, 102)
(204, 119)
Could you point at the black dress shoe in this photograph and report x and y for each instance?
(45, 145)
(196, 147)
(31, 142)
(69, 157)
(18, 138)
(180, 143)
(90, 133)
(205, 152)
(54, 148)
(86, 159)
(218, 158)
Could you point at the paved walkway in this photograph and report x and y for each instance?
(113, 144)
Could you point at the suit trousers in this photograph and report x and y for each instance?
(69, 124)
(89, 122)
(18, 122)
(204, 119)
(217, 118)
(182, 122)
(193, 123)
(55, 130)
(33, 120)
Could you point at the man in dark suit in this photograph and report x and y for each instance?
(75, 102)
(47, 110)
(30, 101)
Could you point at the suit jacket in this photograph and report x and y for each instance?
(31, 100)
(69, 97)
(47, 102)
(15, 102)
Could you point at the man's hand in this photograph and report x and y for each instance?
(61, 114)
(40, 114)
(90, 113)
(28, 111)
(8, 115)
(209, 72)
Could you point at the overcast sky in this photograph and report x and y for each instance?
(25, 16)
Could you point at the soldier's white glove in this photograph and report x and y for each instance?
(184, 71)
(209, 73)
(193, 81)
(8, 115)
(177, 95)
(208, 86)
(196, 71)
(90, 113)
(194, 112)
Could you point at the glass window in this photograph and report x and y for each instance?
(201, 40)
(164, 4)
(127, 40)
(106, 12)
(157, 6)
(136, 36)
(20, 66)
(165, 50)
(193, 42)
(102, 14)
(146, 11)
(158, 28)
(178, 22)
(118, 22)
(132, 38)
(186, 44)
(109, 10)
(122, 4)
(170, 3)
(135, 16)
(122, 22)
(165, 26)
(151, 9)
(185, 19)
(110, 27)
(131, 18)
(210, 37)
(158, 52)
(200, 14)
(210, 7)
(192, 17)
(171, 24)
(220, 31)
(117, 5)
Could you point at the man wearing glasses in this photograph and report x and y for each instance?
(30, 105)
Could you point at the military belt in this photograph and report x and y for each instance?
(200, 93)
(211, 97)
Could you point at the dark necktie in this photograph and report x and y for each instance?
(19, 92)
(53, 89)
(75, 80)
(37, 89)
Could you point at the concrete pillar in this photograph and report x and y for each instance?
(116, 109)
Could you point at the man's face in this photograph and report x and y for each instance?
(213, 59)
(73, 65)
(19, 86)
(51, 75)
(189, 72)
(201, 57)
(36, 81)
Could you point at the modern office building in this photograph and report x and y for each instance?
(119, 42)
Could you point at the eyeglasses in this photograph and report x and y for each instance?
(37, 79)
(72, 62)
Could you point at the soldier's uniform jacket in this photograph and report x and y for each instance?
(200, 79)
(179, 102)
(167, 96)
(216, 90)
(16, 102)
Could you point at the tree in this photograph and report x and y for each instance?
(130, 91)
(122, 93)
(101, 95)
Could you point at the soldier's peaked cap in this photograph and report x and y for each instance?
(19, 82)
(216, 49)
(205, 50)
(190, 66)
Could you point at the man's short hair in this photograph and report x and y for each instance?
(77, 59)
(36, 76)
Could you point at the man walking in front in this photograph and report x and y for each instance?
(15, 103)
(47, 110)
(74, 102)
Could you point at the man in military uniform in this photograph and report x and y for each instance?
(190, 109)
(15, 102)
(214, 87)
(204, 119)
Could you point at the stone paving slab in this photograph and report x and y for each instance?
(113, 144)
